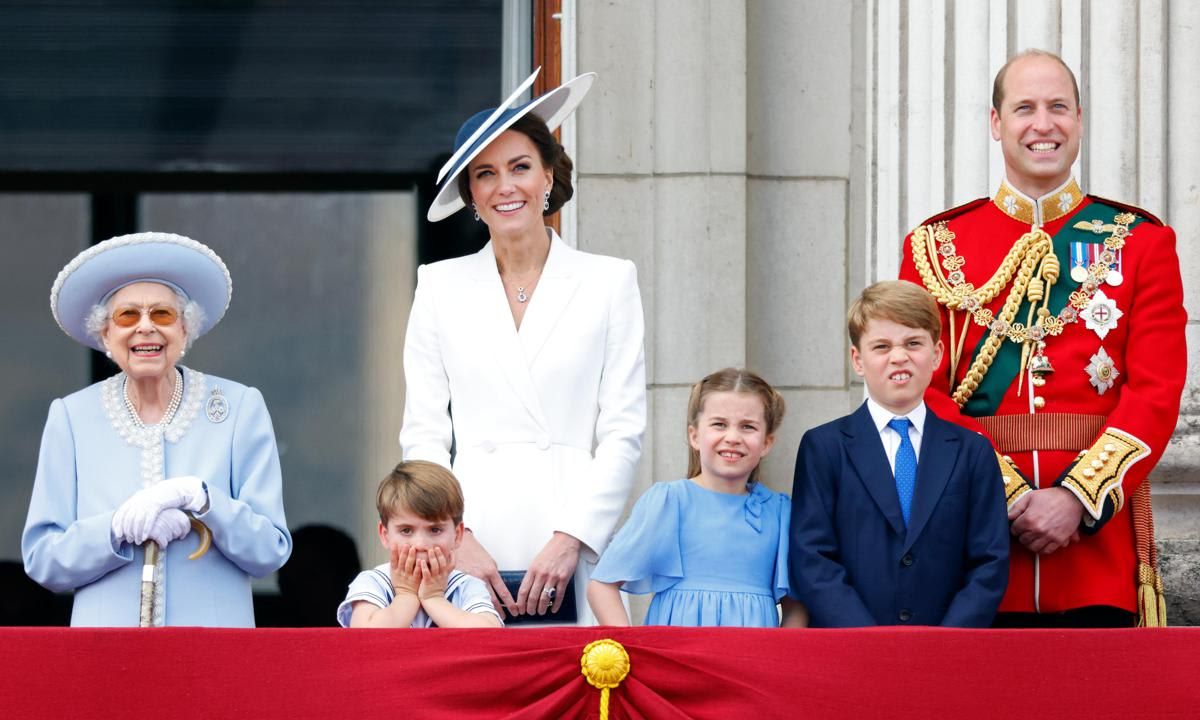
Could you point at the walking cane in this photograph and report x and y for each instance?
(150, 549)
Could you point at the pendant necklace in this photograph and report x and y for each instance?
(523, 291)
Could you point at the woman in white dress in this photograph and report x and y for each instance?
(526, 360)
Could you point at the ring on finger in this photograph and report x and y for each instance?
(550, 592)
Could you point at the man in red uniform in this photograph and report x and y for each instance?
(1063, 323)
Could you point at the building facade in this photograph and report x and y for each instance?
(762, 160)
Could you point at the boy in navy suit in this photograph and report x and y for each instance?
(898, 517)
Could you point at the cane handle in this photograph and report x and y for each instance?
(205, 538)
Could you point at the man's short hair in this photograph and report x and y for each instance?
(425, 489)
(998, 85)
(901, 302)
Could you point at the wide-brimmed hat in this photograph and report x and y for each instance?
(485, 126)
(178, 262)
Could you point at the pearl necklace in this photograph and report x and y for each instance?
(172, 407)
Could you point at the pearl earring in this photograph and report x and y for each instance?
(182, 353)
(546, 201)
(108, 354)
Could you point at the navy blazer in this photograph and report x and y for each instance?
(851, 560)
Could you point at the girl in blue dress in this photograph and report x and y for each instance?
(713, 547)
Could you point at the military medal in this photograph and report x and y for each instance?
(1102, 372)
(1084, 255)
(1114, 276)
(1101, 314)
(1079, 261)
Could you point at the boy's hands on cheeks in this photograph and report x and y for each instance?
(406, 579)
(405, 570)
(435, 572)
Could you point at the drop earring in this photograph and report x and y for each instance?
(476, 211)
(546, 201)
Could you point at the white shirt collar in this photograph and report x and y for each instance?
(882, 416)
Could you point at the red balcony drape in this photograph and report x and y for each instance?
(675, 673)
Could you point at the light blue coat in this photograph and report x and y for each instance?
(92, 460)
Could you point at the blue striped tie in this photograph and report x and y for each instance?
(906, 466)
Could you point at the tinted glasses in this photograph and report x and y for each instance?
(130, 315)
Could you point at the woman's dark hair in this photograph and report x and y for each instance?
(552, 155)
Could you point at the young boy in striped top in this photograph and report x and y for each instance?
(421, 525)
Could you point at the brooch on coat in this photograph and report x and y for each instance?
(217, 408)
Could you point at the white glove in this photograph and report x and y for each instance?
(170, 525)
(133, 521)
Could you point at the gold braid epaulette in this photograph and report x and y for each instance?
(960, 295)
(955, 294)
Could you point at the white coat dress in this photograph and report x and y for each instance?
(547, 421)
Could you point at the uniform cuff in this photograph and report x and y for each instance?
(1100, 470)
(1015, 484)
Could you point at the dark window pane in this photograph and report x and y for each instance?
(242, 86)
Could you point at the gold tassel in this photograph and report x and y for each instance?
(1149, 599)
(1152, 605)
(1162, 600)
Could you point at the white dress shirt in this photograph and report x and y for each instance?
(891, 438)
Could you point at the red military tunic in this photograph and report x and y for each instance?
(1117, 352)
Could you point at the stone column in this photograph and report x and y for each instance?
(1177, 496)
(803, 147)
(662, 181)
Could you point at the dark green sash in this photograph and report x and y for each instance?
(1007, 363)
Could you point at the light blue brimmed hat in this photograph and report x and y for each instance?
(178, 262)
(485, 126)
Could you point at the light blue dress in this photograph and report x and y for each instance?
(93, 457)
(711, 559)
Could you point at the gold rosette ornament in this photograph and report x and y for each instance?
(605, 664)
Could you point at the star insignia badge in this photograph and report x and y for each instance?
(1102, 372)
(1101, 314)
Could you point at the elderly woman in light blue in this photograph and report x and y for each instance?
(128, 465)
